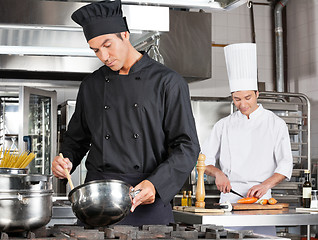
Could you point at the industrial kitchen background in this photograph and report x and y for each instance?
(41, 48)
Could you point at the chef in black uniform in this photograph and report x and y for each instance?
(134, 117)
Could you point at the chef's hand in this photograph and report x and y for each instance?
(258, 191)
(146, 195)
(58, 166)
(222, 182)
(261, 189)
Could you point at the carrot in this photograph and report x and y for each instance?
(262, 201)
(247, 200)
(272, 201)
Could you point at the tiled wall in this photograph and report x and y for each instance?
(302, 38)
(235, 27)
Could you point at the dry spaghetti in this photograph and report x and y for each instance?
(15, 159)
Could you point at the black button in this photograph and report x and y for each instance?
(136, 105)
(137, 78)
(136, 167)
(107, 107)
(136, 135)
(107, 79)
(107, 136)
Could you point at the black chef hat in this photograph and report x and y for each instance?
(99, 18)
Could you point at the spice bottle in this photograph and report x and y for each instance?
(189, 199)
(314, 199)
(307, 190)
(184, 199)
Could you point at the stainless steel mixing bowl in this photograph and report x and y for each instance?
(102, 202)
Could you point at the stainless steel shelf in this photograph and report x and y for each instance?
(288, 185)
(286, 217)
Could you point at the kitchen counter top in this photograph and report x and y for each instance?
(284, 217)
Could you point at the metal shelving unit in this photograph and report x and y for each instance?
(294, 109)
(9, 122)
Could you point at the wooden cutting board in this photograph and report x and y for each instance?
(257, 206)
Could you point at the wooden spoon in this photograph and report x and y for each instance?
(68, 175)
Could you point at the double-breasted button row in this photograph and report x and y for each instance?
(136, 105)
(107, 79)
(135, 136)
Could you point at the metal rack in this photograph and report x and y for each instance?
(294, 109)
(39, 132)
(8, 122)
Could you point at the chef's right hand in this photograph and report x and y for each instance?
(58, 166)
(222, 182)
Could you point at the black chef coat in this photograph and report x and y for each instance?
(137, 123)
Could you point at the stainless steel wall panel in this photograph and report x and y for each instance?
(187, 47)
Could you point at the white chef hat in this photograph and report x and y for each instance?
(241, 64)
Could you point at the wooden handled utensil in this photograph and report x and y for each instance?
(68, 175)
(200, 192)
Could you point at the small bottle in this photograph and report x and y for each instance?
(184, 199)
(314, 199)
(307, 190)
(189, 199)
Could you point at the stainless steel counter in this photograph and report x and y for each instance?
(286, 217)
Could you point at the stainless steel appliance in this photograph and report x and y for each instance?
(28, 122)
(38, 110)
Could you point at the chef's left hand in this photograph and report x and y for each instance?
(258, 191)
(146, 195)
(261, 189)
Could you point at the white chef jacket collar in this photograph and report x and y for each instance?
(254, 114)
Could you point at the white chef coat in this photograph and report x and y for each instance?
(249, 150)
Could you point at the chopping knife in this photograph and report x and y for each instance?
(232, 191)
